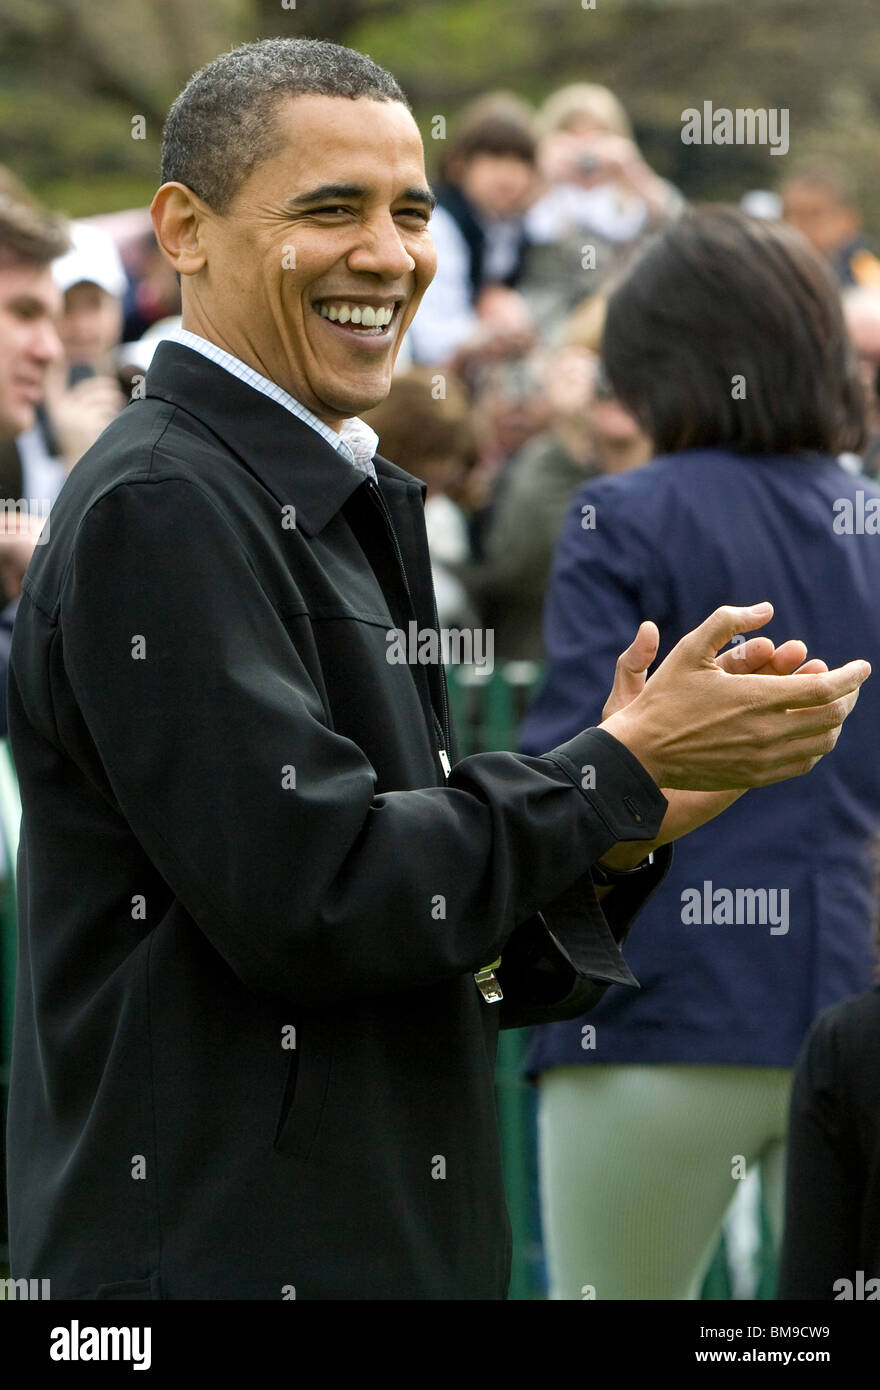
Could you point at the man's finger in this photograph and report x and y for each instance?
(723, 625)
(632, 664)
(817, 722)
(788, 660)
(642, 650)
(751, 657)
(806, 690)
(789, 657)
(808, 745)
(801, 755)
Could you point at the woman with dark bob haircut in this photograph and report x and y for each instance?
(727, 342)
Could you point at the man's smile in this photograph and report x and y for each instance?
(366, 321)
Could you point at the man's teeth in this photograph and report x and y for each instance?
(363, 314)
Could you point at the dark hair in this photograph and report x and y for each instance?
(222, 125)
(495, 134)
(28, 235)
(721, 295)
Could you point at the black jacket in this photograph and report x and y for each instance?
(249, 1054)
(831, 1248)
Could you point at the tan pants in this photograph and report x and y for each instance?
(638, 1165)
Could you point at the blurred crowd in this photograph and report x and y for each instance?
(500, 402)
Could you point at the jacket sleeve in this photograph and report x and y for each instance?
(605, 580)
(264, 822)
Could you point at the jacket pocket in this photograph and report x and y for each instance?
(305, 1091)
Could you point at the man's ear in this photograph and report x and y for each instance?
(179, 218)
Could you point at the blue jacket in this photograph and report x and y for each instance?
(671, 542)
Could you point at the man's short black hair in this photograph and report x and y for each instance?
(721, 296)
(222, 125)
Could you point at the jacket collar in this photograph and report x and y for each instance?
(291, 459)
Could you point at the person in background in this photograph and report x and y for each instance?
(861, 308)
(84, 393)
(152, 293)
(652, 1109)
(821, 200)
(486, 181)
(587, 432)
(599, 199)
(26, 465)
(531, 499)
(92, 279)
(424, 423)
(618, 441)
(29, 344)
(509, 406)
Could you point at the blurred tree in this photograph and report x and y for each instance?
(73, 73)
(335, 22)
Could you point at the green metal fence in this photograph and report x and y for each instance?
(487, 708)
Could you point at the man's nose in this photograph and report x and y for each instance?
(380, 249)
(46, 346)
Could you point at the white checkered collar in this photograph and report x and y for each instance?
(356, 442)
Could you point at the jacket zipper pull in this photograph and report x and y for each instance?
(487, 982)
(444, 761)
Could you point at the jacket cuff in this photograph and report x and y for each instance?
(559, 963)
(614, 782)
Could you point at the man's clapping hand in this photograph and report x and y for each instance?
(705, 740)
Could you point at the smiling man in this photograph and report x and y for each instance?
(310, 262)
(29, 344)
(29, 307)
(259, 987)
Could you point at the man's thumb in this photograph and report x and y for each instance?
(726, 623)
(629, 675)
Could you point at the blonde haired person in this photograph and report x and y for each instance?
(599, 200)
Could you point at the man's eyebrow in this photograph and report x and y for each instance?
(329, 191)
(29, 304)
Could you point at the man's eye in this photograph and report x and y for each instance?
(405, 212)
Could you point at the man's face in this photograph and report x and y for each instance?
(498, 185)
(91, 324)
(29, 342)
(337, 222)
